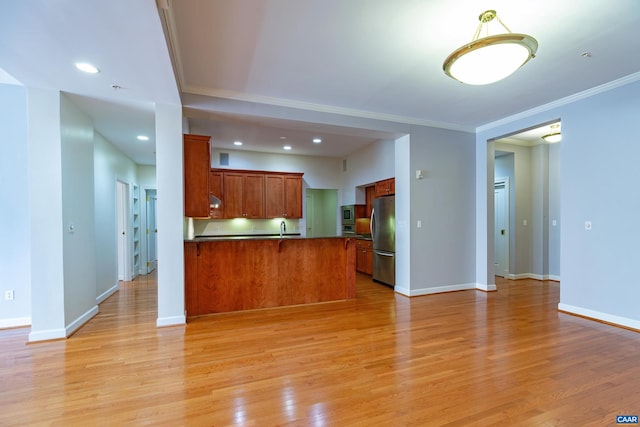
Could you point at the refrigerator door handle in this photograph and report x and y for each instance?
(371, 224)
(384, 254)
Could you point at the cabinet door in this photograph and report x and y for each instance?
(253, 194)
(216, 190)
(368, 262)
(274, 196)
(292, 196)
(386, 187)
(233, 185)
(370, 194)
(197, 164)
(381, 188)
(360, 259)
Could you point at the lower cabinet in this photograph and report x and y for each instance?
(364, 256)
(233, 275)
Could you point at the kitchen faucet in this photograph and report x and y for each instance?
(283, 228)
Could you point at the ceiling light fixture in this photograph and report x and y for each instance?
(143, 137)
(287, 147)
(86, 67)
(555, 135)
(491, 58)
(317, 140)
(238, 143)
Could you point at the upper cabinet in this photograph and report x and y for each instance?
(283, 193)
(216, 211)
(370, 194)
(243, 194)
(386, 187)
(197, 164)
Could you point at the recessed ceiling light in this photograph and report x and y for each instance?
(317, 140)
(86, 67)
(283, 137)
(237, 143)
(287, 147)
(143, 137)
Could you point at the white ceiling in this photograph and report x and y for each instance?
(360, 58)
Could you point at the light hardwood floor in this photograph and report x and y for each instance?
(463, 358)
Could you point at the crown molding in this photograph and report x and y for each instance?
(321, 108)
(631, 78)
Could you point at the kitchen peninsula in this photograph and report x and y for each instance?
(230, 273)
(226, 274)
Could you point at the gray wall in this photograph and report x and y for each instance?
(598, 266)
(15, 248)
(600, 180)
(78, 209)
(442, 250)
(110, 165)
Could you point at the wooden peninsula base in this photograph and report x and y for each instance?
(243, 274)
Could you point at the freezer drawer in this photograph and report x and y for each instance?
(384, 267)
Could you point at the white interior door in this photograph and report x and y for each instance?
(152, 231)
(501, 228)
(122, 230)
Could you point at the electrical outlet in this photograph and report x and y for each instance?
(8, 295)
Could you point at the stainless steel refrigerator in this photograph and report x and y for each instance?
(383, 232)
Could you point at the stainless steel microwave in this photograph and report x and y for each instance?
(348, 215)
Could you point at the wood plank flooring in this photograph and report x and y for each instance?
(463, 358)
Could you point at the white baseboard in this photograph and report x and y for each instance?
(171, 321)
(597, 315)
(49, 334)
(16, 322)
(533, 276)
(486, 288)
(106, 294)
(436, 290)
(76, 324)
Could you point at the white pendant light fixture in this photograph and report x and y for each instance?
(555, 135)
(491, 58)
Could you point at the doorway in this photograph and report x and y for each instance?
(321, 212)
(152, 230)
(122, 230)
(532, 168)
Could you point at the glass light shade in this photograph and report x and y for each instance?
(553, 137)
(490, 59)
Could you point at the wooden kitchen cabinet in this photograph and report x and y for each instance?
(283, 195)
(243, 195)
(386, 187)
(191, 252)
(364, 256)
(370, 194)
(216, 190)
(233, 275)
(196, 164)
